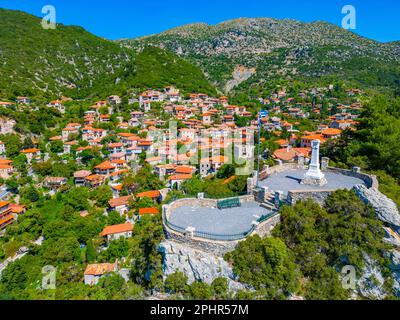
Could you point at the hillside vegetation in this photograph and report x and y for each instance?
(71, 61)
(281, 50)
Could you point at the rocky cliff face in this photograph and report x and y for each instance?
(197, 265)
(371, 283)
(395, 267)
(240, 74)
(385, 208)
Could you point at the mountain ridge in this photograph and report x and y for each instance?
(287, 47)
(72, 61)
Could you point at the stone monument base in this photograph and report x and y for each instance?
(314, 181)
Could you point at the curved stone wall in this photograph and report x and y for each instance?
(215, 246)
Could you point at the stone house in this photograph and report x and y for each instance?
(94, 272)
(117, 231)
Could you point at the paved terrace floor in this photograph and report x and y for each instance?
(289, 180)
(220, 222)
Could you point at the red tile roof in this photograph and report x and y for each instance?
(32, 150)
(106, 165)
(118, 228)
(180, 177)
(144, 211)
(150, 194)
(116, 202)
(100, 269)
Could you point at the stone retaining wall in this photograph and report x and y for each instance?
(218, 248)
(265, 228)
(318, 196)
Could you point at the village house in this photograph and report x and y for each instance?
(6, 104)
(94, 272)
(23, 100)
(31, 154)
(67, 146)
(6, 168)
(105, 168)
(2, 148)
(105, 118)
(121, 205)
(58, 105)
(118, 231)
(155, 195)
(80, 176)
(307, 139)
(54, 183)
(114, 100)
(176, 180)
(6, 215)
(212, 164)
(116, 189)
(94, 180)
(341, 124)
(68, 131)
(116, 147)
(289, 154)
(331, 133)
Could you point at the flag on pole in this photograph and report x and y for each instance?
(263, 114)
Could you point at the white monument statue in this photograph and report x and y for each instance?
(314, 175)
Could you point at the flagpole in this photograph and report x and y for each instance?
(258, 159)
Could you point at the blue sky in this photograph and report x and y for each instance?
(114, 19)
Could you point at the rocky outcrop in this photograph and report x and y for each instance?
(395, 268)
(385, 208)
(196, 264)
(371, 284)
(240, 74)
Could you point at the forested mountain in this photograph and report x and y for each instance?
(73, 62)
(247, 53)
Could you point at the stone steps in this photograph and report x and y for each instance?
(268, 205)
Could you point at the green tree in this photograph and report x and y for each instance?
(30, 193)
(176, 282)
(90, 252)
(265, 264)
(220, 288)
(57, 146)
(200, 291)
(102, 195)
